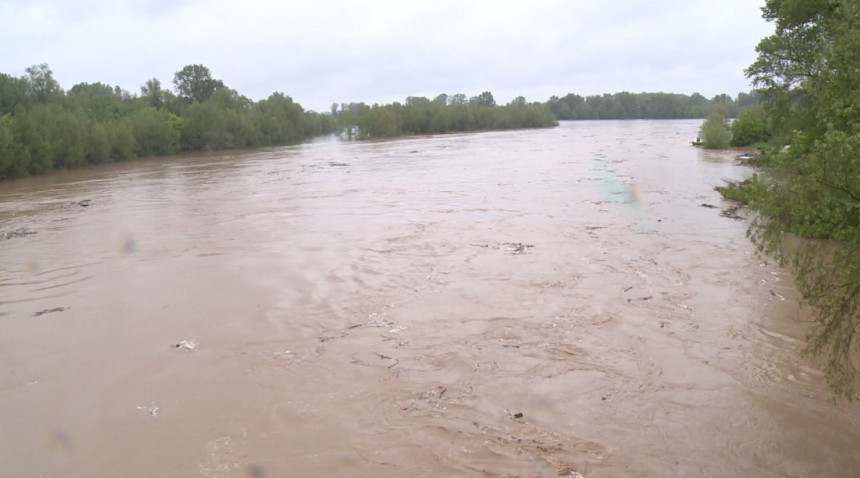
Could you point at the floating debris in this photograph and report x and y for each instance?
(386, 357)
(20, 232)
(516, 247)
(188, 345)
(731, 213)
(49, 311)
(514, 415)
(570, 474)
(773, 293)
(151, 409)
(710, 206)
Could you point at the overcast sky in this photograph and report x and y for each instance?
(321, 52)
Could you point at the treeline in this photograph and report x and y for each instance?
(625, 105)
(444, 114)
(448, 113)
(43, 128)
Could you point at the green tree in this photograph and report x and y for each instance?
(41, 85)
(808, 73)
(518, 101)
(750, 127)
(96, 144)
(6, 146)
(459, 99)
(195, 83)
(99, 102)
(154, 133)
(417, 101)
(715, 133)
(14, 157)
(67, 139)
(44, 128)
(122, 142)
(484, 99)
(13, 91)
(152, 92)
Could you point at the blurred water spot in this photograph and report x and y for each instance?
(62, 440)
(128, 245)
(255, 471)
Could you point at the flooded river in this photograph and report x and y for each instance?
(528, 303)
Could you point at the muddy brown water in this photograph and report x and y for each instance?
(527, 303)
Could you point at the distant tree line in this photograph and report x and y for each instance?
(625, 105)
(447, 113)
(443, 114)
(43, 128)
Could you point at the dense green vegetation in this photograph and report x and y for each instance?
(43, 128)
(751, 126)
(626, 105)
(447, 113)
(808, 73)
(715, 133)
(443, 114)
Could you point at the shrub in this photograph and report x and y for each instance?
(715, 132)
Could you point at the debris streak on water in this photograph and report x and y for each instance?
(527, 303)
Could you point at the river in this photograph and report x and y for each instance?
(523, 303)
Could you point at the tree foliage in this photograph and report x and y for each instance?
(419, 115)
(43, 129)
(809, 75)
(751, 126)
(626, 105)
(195, 83)
(41, 85)
(715, 133)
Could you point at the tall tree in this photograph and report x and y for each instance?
(195, 82)
(41, 85)
(484, 99)
(458, 99)
(151, 92)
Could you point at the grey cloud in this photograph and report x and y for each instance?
(377, 51)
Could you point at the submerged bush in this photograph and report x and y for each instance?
(715, 133)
